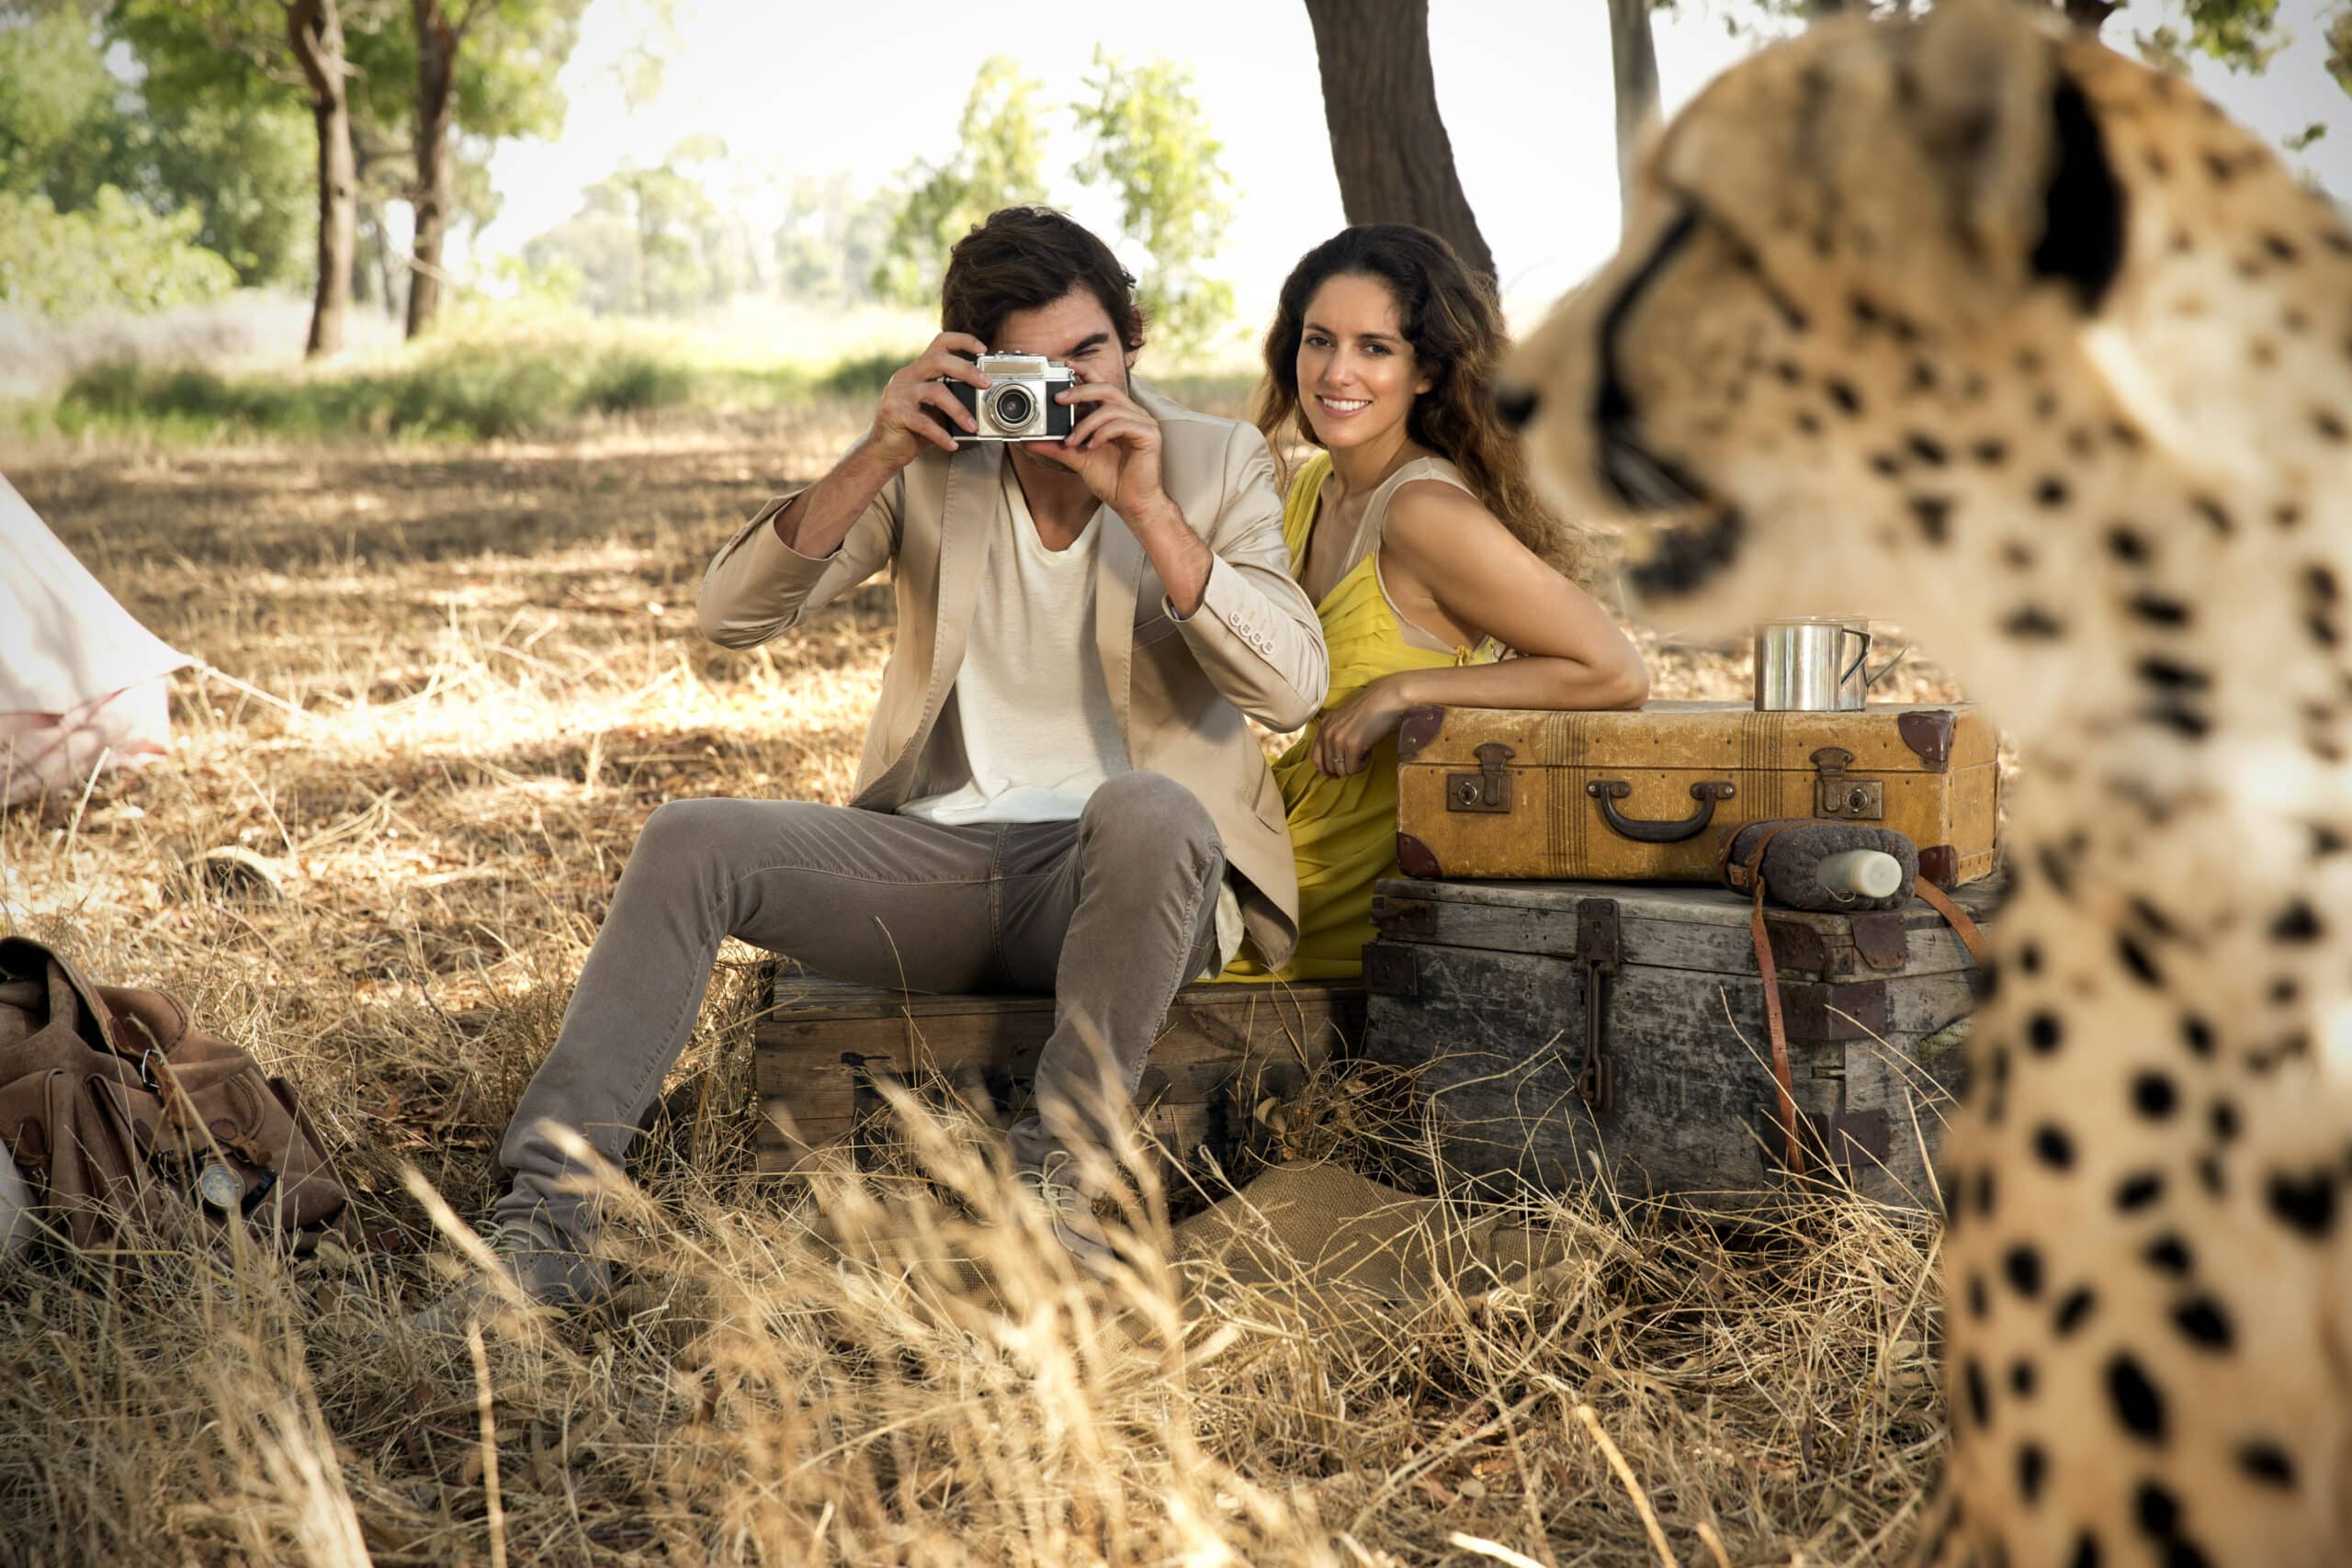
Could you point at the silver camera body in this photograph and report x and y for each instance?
(1018, 402)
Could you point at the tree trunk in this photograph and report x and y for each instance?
(2090, 14)
(1634, 58)
(436, 70)
(1388, 142)
(315, 28)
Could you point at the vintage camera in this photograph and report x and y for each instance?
(1018, 403)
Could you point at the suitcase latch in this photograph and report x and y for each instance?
(1835, 794)
(1488, 789)
(1598, 955)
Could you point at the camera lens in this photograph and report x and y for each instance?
(1012, 407)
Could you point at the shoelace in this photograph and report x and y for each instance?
(1060, 1199)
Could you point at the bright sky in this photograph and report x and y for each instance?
(1523, 85)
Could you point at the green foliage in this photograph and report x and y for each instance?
(648, 239)
(112, 254)
(1150, 142)
(469, 391)
(2339, 46)
(999, 162)
(53, 86)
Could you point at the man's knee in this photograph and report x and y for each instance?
(1150, 807)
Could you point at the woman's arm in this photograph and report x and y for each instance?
(1451, 569)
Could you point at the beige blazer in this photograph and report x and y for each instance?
(1182, 688)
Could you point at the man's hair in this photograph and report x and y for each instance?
(1023, 257)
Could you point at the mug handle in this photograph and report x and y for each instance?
(1860, 657)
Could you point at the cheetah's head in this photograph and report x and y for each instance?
(1849, 223)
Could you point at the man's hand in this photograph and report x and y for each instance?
(904, 424)
(1114, 446)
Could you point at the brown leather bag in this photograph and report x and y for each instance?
(124, 1115)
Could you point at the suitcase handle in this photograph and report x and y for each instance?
(1706, 792)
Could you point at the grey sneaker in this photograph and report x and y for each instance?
(549, 1273)
(1067, 1202)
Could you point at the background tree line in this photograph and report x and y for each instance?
(153, 152)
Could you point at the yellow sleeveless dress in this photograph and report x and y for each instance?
(1343, 830)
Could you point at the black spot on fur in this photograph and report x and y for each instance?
(2137, 1403)
(2215, 514)
(2185, 722)
(2171, 675)
(2136, 961)
(2033, 1466)
(2019, 556)
(2169, 1255)
(2208, 1176)
(2022, 1378)
(2052, 1147)
(2297, 922)
(2278, 247)
(2158, 1510)
(2267, 1462)
(2307, 1202)
(2034, 621)
(2087, 1551)
(2029, 958)
(2073, 1308)
(1991, 453)
(2224, 1119)
(2157, 609)
(1926, 448)
(2127, 544)
(1980, 1300)
(1980, 1396)
(2205, 1324)
(2051, 490)
(2325, 841)
(1885, 465)
(2287, 514)
(2153, 1095)
(1842, 393)
(2045, 1032)
(2054, 868)
(1933, 513)
(2137, 1191)
(1985, 1191)
(2022, 1265)
(2330, 427)
(2146, 912)
(2197, 1035)
(1808, 422)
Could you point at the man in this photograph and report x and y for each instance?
(1059, 791)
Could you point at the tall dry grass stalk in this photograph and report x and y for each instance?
(484, 676)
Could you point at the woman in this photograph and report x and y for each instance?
(1415, 532)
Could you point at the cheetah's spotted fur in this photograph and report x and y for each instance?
(1985, 329)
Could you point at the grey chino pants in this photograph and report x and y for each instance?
(1110, 914)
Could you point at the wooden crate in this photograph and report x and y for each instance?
(825, 1044)
(1486, 988)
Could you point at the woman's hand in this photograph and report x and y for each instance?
(1345, 741)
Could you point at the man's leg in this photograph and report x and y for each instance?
(1116, 925)
(856, 895)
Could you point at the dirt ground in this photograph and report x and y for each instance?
(443, 689)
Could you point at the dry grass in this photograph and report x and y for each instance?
(496, 677)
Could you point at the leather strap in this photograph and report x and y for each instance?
(1957, 917)
(1793, 1148)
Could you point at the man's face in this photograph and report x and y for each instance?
(1076, 330)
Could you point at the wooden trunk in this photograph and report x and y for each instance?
(1492, 992)
(1647, 796)
(825, 1044)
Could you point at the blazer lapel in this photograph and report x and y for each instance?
(967, 522)
(1118, 568)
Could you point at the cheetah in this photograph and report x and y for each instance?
(1977, 325)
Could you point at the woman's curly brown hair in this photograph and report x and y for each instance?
(1455, 327)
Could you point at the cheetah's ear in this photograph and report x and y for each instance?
(2015, 143)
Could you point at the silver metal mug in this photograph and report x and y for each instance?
(1816, 664)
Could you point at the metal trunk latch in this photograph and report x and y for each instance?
(1601, 958)
(1488, 789)
(1835, 794)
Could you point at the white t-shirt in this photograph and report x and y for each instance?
(1039, 733)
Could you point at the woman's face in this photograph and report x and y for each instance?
(1356, 375)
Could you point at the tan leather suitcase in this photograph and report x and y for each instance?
(1647, 796)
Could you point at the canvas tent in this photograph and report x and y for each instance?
(81, 682)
